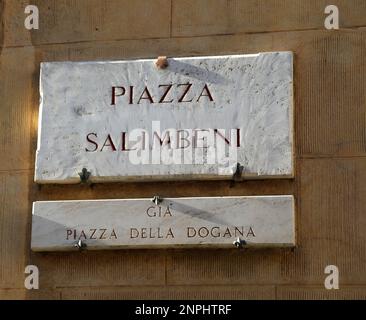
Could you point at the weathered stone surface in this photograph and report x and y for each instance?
(189, 222)
(92, 113)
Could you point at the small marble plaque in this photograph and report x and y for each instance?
(263, 221)
(196, 119)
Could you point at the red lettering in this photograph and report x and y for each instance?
(131, 95)
(114, 95)
(217, 132)
(162, 140)
(169, 86)
(147, 97)
(91, 141)
(205, 88)
(181, 99)
(124, 143)
(110, 143)
(238, 137)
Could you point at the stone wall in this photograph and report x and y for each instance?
(330, 150)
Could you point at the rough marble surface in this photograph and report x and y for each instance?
(252, 93)
(262, 221)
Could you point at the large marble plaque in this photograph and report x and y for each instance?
(196, 119)
(262, 221)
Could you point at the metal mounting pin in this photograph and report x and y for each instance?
(161, 62)
(239, 243)
(84, 175)
(156, 200)
(80, 245)
(237, 174)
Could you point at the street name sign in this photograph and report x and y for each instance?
(198, 118)
(216, 222)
